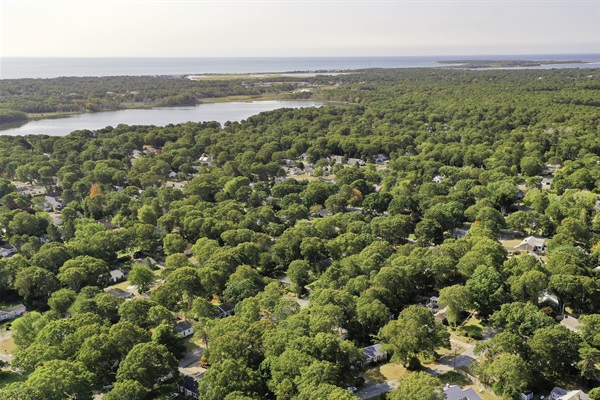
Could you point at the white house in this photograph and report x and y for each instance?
(205, 159)
(374, 354)
(438, 179)
(184, 329)
(562, 394)
(12, 312)
(6, 250)
(532, 245)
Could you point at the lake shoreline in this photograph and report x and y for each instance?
(159, 116)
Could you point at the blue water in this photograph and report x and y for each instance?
(17, 67)
(160, 116)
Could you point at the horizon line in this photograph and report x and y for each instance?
(309, 56)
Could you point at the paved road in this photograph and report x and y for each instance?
(191, 357)
(375, 389)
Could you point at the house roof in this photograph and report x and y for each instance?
(8, 246)
(559, 393)
(533, 241)
(116, 274)
(226, 307)
(374, 351)
(190, 384)
(18, 307)
(455, 392)
(571, 323)
(182, 326)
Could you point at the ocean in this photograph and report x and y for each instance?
(19, 67)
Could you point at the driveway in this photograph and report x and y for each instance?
(372, 389)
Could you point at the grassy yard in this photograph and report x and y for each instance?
(386, 372)
(8, 377)
(7, 346)
(510, 244)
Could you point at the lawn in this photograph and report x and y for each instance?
(510, 244)
(7, 346)
(386, 372)
(8, 377)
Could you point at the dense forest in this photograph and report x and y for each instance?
(328, 229)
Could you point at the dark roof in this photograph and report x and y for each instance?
(182, 326)
(226, 307)
(119, 293)
(373, 351)
(8, 246)
(190, 384)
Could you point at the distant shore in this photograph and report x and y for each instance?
(506, 63)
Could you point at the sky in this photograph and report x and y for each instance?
(286, 28)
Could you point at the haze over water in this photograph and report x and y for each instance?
(20, 67)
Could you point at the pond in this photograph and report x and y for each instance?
(160, 116)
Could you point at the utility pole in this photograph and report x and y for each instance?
(454, 359)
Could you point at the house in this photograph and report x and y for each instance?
(53, 202)
(433, 302)
(455, 392)
(374, 354)
(546, 183)
(352, 161)
(116, 275)
(549, 299)
(205, 159)
(188, 386)
(571, 323)
(380, 158)
(226, 309)
(183, 329)
(7, 250)
(438, 179)
(532, 244)
(12, 312)
(172, 174)
(562, 394)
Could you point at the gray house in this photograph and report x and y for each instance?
(454, 392)
(374, 354)
(12, 312)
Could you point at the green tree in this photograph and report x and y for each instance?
(174, 243)
(414, 331)
(418, 386)
(457, 299)
(142, 277)
(127, 390)
(59, 379)
(147, 363)
(299, 274)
